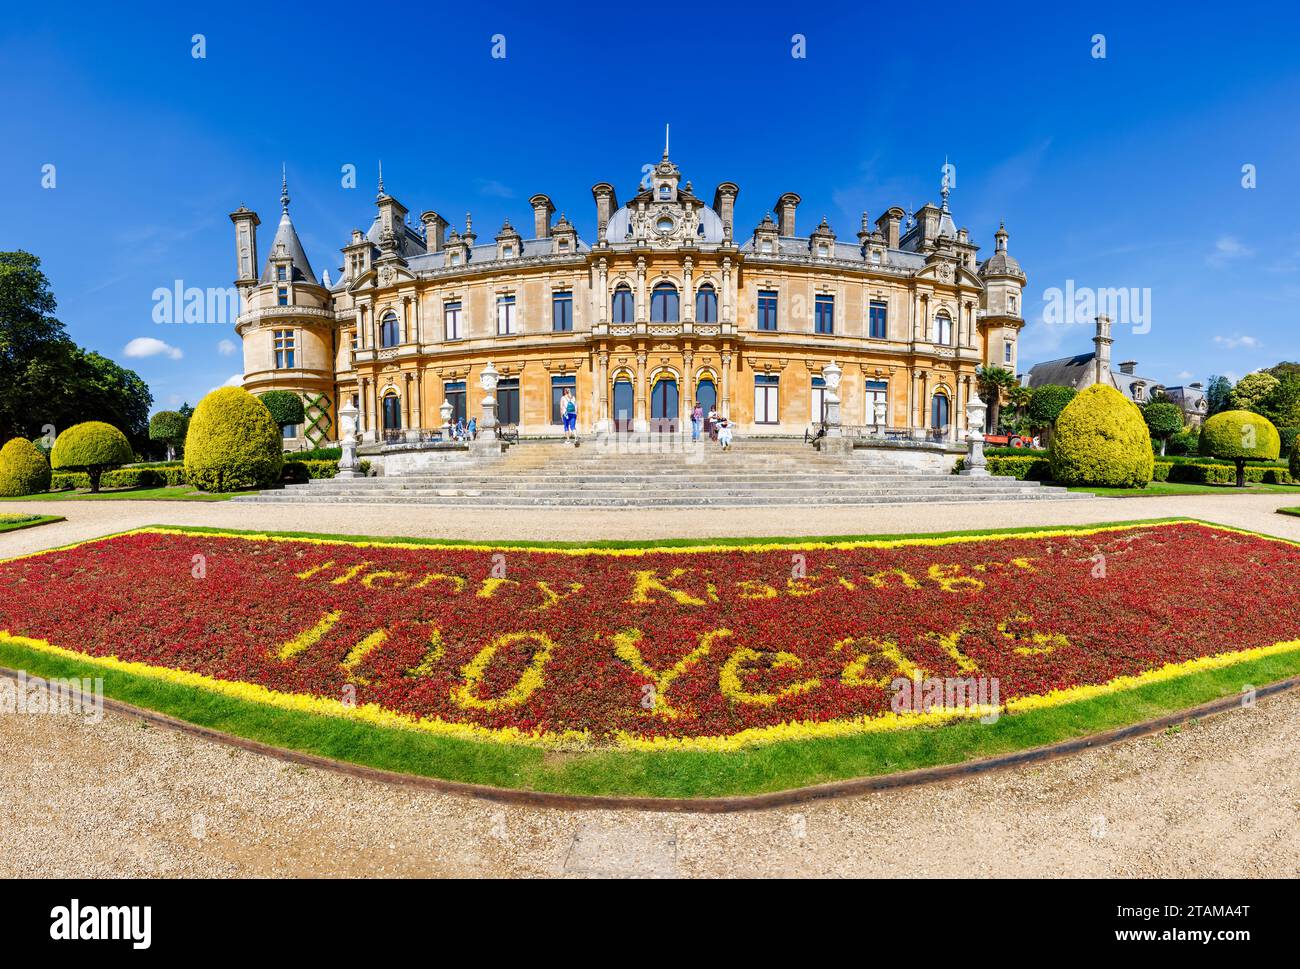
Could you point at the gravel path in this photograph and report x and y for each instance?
(1221, 797)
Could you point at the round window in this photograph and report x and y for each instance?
(665, 224)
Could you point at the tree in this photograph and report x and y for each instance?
(93, 447)
(168, 427)
(1046, 404)
(1217, 392)
(1282, 406)
(47, 379)
(285, 407)
(1163, 419)
(1252, 390)
(1240, 436)
(994, 383)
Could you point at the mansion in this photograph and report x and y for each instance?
(669, 305)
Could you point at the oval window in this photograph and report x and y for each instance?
(665, 224)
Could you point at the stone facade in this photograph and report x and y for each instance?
(668, 306)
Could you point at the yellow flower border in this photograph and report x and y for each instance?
(581, 740)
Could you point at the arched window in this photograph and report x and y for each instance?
(943, 330)
(392, 413)
(623, 308)
(390, 332)
(706, 304)
(663, 304)
(939, 412)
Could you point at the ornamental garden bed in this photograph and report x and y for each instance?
(670, 671)
(12, 523)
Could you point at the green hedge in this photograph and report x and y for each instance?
(1027, 468)
(232, 443)
(1183, 472)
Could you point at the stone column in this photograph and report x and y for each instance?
(725, 405)
(641, 410)
(688, 291)
(726, 315)
(418, 422)
(641, 310)
(603, 391)
(602, 291)
(688, 382)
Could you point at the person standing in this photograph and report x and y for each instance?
(697, 418)
(569, 412)
(712, 425)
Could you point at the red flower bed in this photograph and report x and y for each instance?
(665, 644)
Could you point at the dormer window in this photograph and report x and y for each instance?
(823, 250)
(281, 273)
(455, 258)
(507, 252)
(564, 245)
(767, 247)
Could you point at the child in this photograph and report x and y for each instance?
(724, 434)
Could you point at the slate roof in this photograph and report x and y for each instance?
(284, 233)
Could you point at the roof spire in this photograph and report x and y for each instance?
(284, 188)
(381, 178)
(665, 141)
(945, 186)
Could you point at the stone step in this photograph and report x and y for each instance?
(659, 502)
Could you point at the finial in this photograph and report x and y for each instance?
(469, 222)
(944, 187)
(381, 178)
(665, 142)
(284, 188)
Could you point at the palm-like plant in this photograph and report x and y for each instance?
(995, 384)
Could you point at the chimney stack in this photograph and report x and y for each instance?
(785, 207)
(435, 227)
(888, 225)
(542, 212)
(1101, 359)
(606, 206)
(724, 203)
(1128, 367)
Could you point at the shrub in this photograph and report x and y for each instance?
(1184, 443)
(232, 443)
(23, 469)
(1022, 468)
(1240, 436)
(1287, 436)
(1101, 439)
(168, 427)
(1163, 420)
(285, 407)
(93, 447)
(1294, 462)
(1046, 404)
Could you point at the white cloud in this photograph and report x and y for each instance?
(1228, 249)
(226, 347)
(1186, 375)
(234, 380)
(147, 346)
(1236, 342)
(491, 187)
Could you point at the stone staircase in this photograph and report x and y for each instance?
(754, 472)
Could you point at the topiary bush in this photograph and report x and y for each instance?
(23, 469)
(1046, 404)
(1240, 436)
(1163, 421)
(1101, 439)
(285, 407)
(93, 447)
(168, 427)
(232, 443)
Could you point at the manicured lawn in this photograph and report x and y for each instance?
(174, 493)
(1289, 511)
(11, 523)
(1159, 488)
(662, 773)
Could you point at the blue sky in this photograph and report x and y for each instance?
(1117, 172)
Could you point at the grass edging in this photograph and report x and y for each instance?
(36, 520)
(659, 774)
